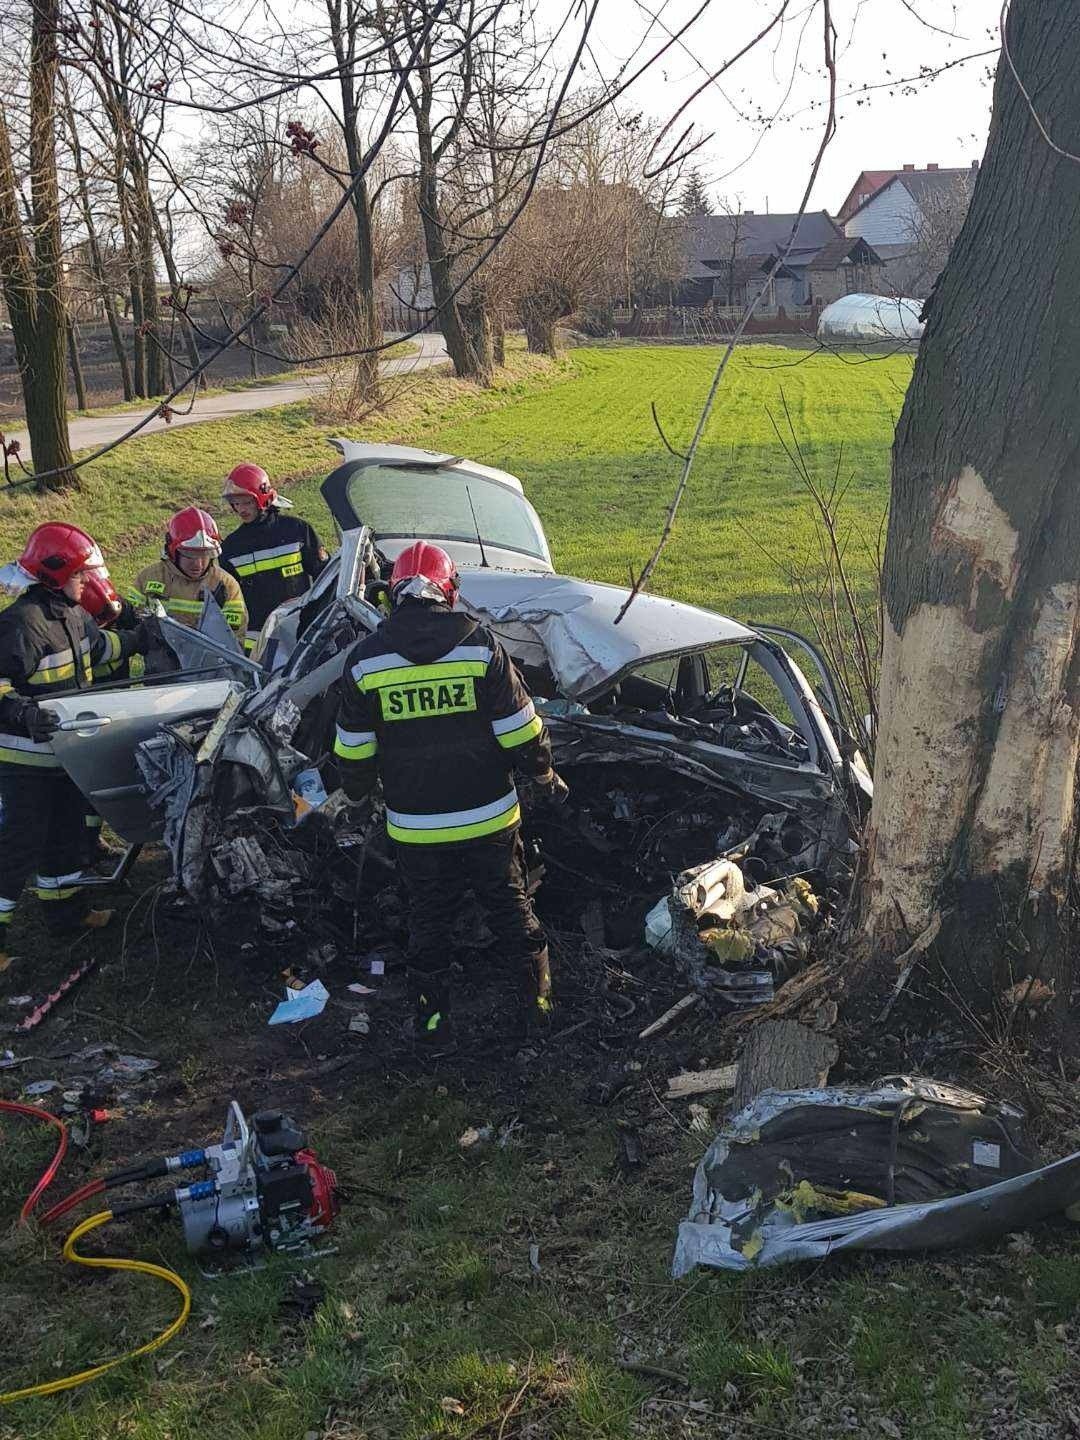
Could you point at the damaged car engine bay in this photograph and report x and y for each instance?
(699, 822)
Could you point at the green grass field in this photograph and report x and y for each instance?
(581, 438)
(436, 1323)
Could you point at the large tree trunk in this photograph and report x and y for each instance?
(476, 322)
(467, 364)
(31, 275)
(539, 322)
(144, 240)
(976, 764)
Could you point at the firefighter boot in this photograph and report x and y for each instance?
(537, 1011)
(432, 1027)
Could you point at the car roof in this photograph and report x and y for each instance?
(570, 625)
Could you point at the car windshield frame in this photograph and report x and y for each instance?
(484, 492)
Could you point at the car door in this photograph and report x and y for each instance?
(100, 728)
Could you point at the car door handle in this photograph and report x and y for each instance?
(85, 722)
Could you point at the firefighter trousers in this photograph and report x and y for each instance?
(42, 840)
(437, 879)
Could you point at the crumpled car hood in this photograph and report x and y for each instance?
(567, 624)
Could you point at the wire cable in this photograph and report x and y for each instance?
(109, 1262)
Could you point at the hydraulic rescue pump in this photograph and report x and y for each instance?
(265, 1188)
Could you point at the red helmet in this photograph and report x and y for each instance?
(426, 572)
(192, 529)
(99, 599)
(57, 551)
(253, 481)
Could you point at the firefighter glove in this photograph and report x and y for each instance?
(553, 788)
(41, 724)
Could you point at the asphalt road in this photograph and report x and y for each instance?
(89, 434)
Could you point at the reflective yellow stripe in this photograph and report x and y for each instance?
(233, 611)
(6, 687)
(112, 643)
(43, 758)
(455, 832)
(443, 670)
(183, 607)
(356, 752)
(276, 562)
(528, 731)
(134, 597)
(93, 822)
(45, 893)
(5, 916)
(53, 675)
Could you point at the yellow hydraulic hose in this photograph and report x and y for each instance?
(109, 1262)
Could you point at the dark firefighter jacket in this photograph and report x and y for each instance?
(275, 558)
(47, 645)
(432, 701)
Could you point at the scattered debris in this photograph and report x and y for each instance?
(670, 1018)
(8, 1059)
(357, 989)
(700, 1119)
(302, 1300)
(701, 1082)
(783, 1055)
(29, 1022)
(126, 1068)
(1030, 992)
(360, 1024)
(449, 1405)
(476, 1138)
(733, 937)
(906, 1164)
(41, 1087)
(534, 1259)
(20, 1000)
(302, 1004)
(631, 1154)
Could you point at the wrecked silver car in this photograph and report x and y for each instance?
(684, 734)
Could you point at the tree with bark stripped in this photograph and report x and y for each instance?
(974, 811)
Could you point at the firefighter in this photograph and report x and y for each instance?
(274, 556)
(432, 705)
(48, 645)
(188, 571)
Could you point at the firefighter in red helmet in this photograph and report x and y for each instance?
(188, 572)
(431, 704)
(274, 556)
(48, 645)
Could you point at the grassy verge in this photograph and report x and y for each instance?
(521, 1292)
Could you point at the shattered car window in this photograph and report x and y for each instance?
(433, 503)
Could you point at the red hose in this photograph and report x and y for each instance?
(94, 1187)
(13, 1107)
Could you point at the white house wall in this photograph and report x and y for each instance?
(891, 218)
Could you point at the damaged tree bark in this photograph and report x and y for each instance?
(974, 806)
(782, 1055)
